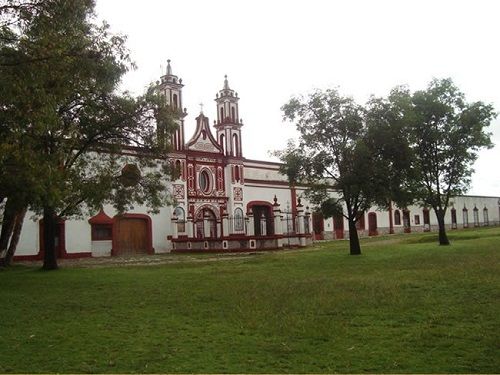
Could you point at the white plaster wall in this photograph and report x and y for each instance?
(267, 193)
(29, 239)
(102, 248)
(263, 174)
(77, 237)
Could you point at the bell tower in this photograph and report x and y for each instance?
(228, 123)
(170, 87)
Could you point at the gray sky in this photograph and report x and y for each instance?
(274, 49)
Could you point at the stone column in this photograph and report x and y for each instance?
(300, 226)
(225, 224)
(278, 228)
(190, 227)
(175, 233)
(206, 225)
(250, 224)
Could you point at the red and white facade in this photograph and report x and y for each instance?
(226, 202)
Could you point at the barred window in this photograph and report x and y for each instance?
(238, 219)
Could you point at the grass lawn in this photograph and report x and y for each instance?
(405, 305)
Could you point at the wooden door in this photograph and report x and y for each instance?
(372, 224)
(318, 226)
(406, 221)
(338, 224)
(132, 236)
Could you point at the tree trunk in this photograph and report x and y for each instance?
(49, 237)
(354, 246)
(443, 238)
(18, 226)
(391, 224)
(8, 221)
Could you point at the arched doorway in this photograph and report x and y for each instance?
(205, 216)
(338, 225)
(372, 224)
(406, 221)
(427, 220)
(263, 220)
(318, 225)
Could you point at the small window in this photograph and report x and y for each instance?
(417, 219)
(102, 232)
(238, 220)
(131, 175)
(181, 219)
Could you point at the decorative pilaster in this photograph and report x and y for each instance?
(174, 220)
(190, 228)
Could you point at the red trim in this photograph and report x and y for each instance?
(259, 203)
(29, 258)
(266, 182)
(260, 167)
(101, 218)
(149, 232)
(263, 162)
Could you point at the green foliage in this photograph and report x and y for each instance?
(406, 306)
(335, 156)
(445, 137)
(62, 121)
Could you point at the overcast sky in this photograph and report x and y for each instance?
(273, 49)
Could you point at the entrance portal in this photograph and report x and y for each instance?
(132, 236)
(318, 226)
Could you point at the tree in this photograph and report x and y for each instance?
(387, 122)
(331, 156)
(445, 137)
(65, 124)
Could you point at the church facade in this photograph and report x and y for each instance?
(226, 202)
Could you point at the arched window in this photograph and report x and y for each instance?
(204, 183)
(236, 151)
(221, 114)
(222, 143)
(181, 219)
(476, 216)
(397, 217)
(453, 218)
(233, 114)
(485, 216)
(178, 168)
(465, 217)
(174, 101)
(236, 173)
(238, 220)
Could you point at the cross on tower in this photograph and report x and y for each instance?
(201, 107)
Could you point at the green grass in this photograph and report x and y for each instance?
(405, 305)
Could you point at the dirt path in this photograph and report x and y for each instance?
(145, 260)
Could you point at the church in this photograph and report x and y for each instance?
(226, 202)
